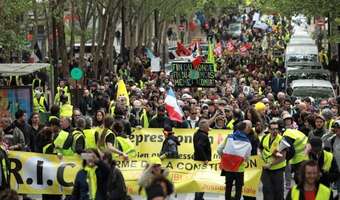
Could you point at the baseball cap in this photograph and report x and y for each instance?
(155, 161)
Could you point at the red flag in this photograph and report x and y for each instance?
(196, 62)
(248, 45)
(181, 50)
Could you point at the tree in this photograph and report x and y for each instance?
(12, 24)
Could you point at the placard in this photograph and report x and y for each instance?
(185, 75)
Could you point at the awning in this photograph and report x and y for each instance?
(18, 69)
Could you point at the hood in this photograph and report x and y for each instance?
(240, 135)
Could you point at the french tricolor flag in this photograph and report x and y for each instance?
(175, 113)
(236, 151)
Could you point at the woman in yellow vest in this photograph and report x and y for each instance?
(107, 139)
(90, 133)
(309, 186)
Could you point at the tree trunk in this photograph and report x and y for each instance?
(82, 49)
(100, 38)
(94, 20)
(72, 30)
(47, 35)
(164, 45)
(61, 37)
(156, 42)
(35, 23)
(123, 21)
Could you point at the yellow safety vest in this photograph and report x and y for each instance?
(59, 144)
(300, 141)
(33, 83)
(66, 110)
(57, 95)
(108, 132)
(323, 193)
(112, 108)
(230, 124)
(329, 124)
(4, 169)
(141, 84)
(39, 106)
(269, 149)
(144, 118)
(46, 148)
(126, 146)
(52, 117)
(90, 138)
(76, 134)
(327, 161)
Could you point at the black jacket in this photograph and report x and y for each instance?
(202, 146)
(327, 177)
(4, 184)
(116, 185)
(159, 121)
(81, 187)
(86, 105)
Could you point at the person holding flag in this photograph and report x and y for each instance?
(235, 151)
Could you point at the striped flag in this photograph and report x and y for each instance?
(175, 112)
(236, 151)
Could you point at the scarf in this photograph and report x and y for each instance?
(92, 181)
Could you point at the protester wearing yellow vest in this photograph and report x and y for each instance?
(309, 186)
(122, 141)
(326, 161)
(94, 173)
(78, 139)
(293, 145)
(39, 102)
(272, 174)
(66, 109)
(66, 143)
(107, 139)
(62, 90)
(4, 166)
(90, 133)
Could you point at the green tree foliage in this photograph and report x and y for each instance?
(13, 14)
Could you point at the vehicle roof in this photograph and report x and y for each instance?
(301, 41)
(292, 64)
(311, 83)
(302, 49)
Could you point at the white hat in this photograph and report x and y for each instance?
(186, 96)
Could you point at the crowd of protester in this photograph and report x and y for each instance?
(250, 99)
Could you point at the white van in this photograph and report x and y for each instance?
(301, 53)
(317, 89)
(301, 41)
